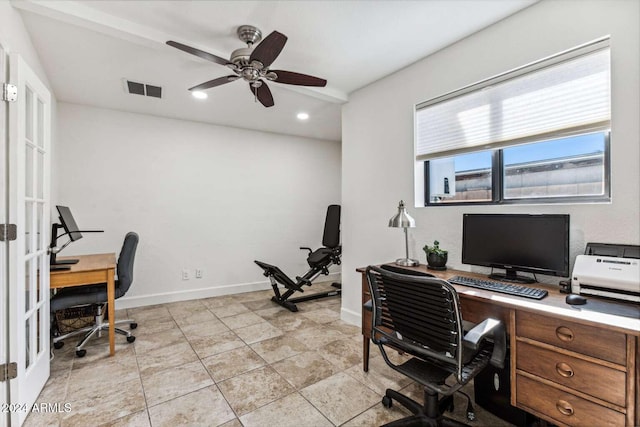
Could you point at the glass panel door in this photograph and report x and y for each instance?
(29, 119)
(4, 246)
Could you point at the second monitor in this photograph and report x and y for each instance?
(68, 223)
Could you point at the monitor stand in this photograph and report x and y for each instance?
(64, 261)
(54, 242)
(511, 275)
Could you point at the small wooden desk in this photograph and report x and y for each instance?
(569, 366)
(89, 270)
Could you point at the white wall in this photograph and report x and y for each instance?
(377, 136)
(200, 196)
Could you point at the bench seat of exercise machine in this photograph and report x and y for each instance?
(320, 257)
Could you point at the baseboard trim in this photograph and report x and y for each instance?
(350, 316)
(191, 294)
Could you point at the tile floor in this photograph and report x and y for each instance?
(237, 360)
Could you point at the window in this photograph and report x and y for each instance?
(473, 180)
(562, 168)
(539, 134)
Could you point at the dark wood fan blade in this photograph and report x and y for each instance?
(263, 93)
(291, 78)
(269, 48)
(199, 53)
(215, 82)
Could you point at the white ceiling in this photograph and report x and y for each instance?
(88, 49)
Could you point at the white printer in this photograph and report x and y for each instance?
(607, 270)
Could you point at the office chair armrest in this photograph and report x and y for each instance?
(489, 328)
(306, 248)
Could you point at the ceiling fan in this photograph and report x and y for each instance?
(252, 64)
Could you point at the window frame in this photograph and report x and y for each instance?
(601, 124)
(497, 179)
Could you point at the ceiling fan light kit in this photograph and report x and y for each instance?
(252, 64)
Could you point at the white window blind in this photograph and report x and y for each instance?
(561, 95)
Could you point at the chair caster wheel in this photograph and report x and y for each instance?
(133, 325)
(131, 338)
(81, 353)
(387, 402)
(58, 345)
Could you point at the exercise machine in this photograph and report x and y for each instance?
(319, 262)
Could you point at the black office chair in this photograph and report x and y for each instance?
(420, 316)
(319, 262)
(97, 295)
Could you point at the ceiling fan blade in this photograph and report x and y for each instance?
(215, 82)
(199, 53)
(291, 78)
(263, 93)
(269, 48)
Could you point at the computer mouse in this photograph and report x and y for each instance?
(575, 299)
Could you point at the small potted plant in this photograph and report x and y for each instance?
(436, 257)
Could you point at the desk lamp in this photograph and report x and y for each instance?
(403, 220)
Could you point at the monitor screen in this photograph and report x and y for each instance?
(517, 242)
(69, 224)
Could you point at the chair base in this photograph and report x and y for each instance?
(427, 415)
(91, 331)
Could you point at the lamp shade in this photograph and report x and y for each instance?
(402, 219)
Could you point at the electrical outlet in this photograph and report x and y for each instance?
(185, 274)
(198, 273)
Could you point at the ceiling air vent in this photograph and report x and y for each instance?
(144, 89)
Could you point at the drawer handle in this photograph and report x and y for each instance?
(564, 370)
(564, 334)
(564, 408)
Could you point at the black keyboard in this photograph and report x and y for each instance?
(505, 288)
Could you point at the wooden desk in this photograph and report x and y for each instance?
(89, 270)
(570, 367)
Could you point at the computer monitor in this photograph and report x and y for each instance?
(68, 223)
(517, 242)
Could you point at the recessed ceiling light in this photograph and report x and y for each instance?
(302, 116)
(199, 95)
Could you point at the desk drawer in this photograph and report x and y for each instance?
(572, 372)
(564, 407)
(596, 342)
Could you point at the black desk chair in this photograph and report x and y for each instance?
(319, 262)
(421, 317)
(97, 295)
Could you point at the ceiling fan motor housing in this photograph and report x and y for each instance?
(240, 57)
(250, 35)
